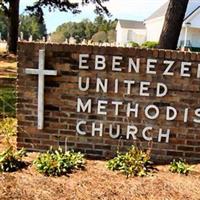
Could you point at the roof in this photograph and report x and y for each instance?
(193, 5)
(160, 12)
(131, 24)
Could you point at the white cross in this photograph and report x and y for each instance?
(41, 72)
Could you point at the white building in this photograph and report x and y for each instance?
(190, 33)
(128, 31)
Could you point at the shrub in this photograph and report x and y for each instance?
(150, 44)
(11, 160)
(133, 163)
(134, 44)
(57, 162)
(8, 128)
(180, 167)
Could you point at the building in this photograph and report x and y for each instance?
(190, 33)
(128, 31)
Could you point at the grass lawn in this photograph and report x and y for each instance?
(8, 65)
(8, 68)
(7, 101)
(2, 50)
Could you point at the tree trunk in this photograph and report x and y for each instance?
(13, 26)
(173, 24)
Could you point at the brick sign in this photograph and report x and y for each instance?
(100, 99)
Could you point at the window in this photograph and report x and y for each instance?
(130, 35)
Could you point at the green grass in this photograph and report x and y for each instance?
(7, 102)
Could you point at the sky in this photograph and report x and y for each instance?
(120, 9)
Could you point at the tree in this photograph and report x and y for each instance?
(58, 37)
(103, 25)
(11, 10)
(173, 24)
(70, 29)
(30, 25)
(3, 26)
(90, 30)
(86, 30)
(67, 29)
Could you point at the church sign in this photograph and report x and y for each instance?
(100, 99)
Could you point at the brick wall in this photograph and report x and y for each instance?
(62, 92)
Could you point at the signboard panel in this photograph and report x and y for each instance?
(100, 99)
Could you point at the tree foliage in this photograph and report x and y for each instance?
(99, 30)
(61, 5)
(11, 9)
(105, 25)
(82, 30)
(58, 37)
(65, 6)
(30, 25)
(3, 26)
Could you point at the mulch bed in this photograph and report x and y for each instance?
(97, 182)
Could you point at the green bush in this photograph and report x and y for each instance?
(150, 44)
(133, 163)
(11, 160)
(134, 44)
(57, 162)
(180, 167)
(7, 101)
